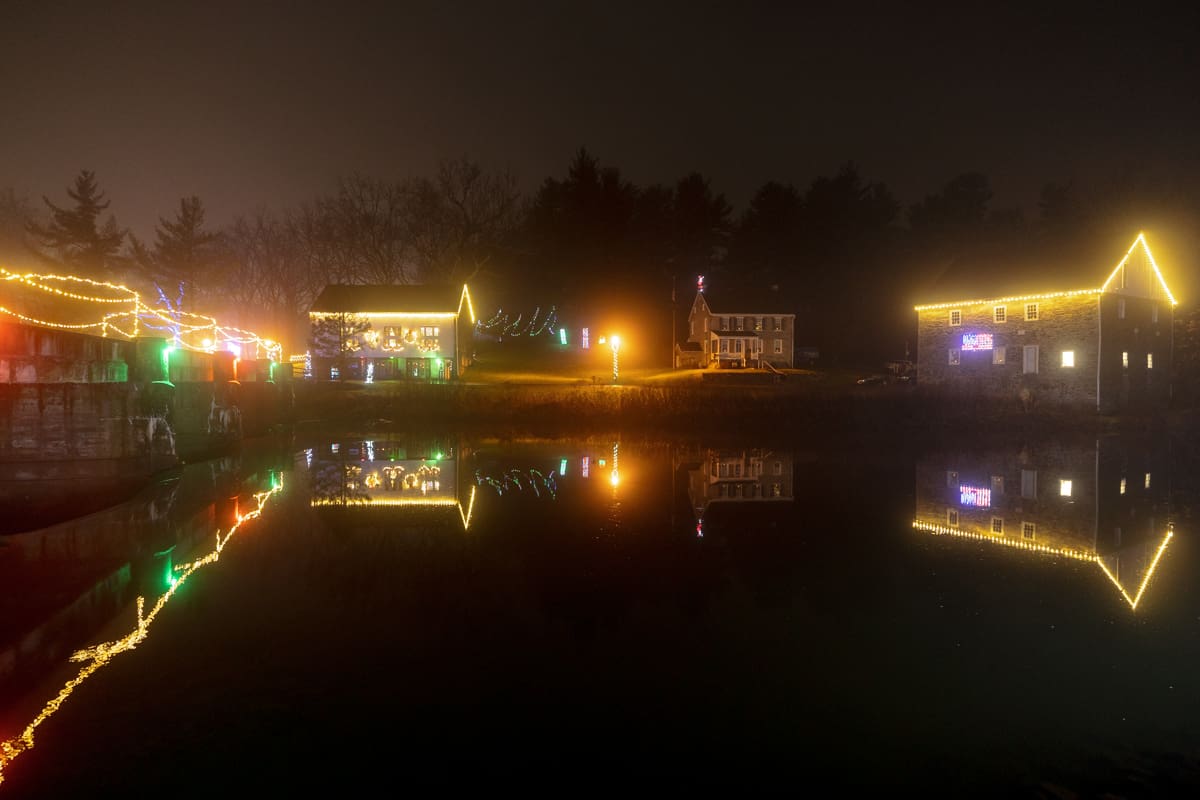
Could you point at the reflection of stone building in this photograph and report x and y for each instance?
(720, 477)
(1106, 504)
(388, 473)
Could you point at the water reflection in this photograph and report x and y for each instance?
(1106, 503)
(735, 476)
(157, 532)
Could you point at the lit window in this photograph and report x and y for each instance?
(997, 525)
(1064, 488)
(1068, 358)
(998, 355)
(776, 490)
(1122, 486)
(952, 517)
(1147, 480)
(1125, 359)
(1149, 360)
(1000, 314)
(1120, 308)
(956, 317)
(1028, 529)
(1031, 312)
(758, 323)
(954, 356)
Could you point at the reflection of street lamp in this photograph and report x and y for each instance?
(615, 341)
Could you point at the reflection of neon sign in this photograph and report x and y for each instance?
(977, 341)
(975, 496)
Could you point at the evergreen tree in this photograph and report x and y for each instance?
(182, 251)
(74, 236)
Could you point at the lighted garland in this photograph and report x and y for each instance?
(99, 655)
(500, 324)
(512, 479)
(185, 329)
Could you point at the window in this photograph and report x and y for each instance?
(956, 317)
(1000, 314)
(737, 322)
(997, 525)
(1149, 360)
(428, 331)
(778, 323)
(1122, 486)
(998, 355)
(952, 517)
(1029, 484)
(778, 346)
(1031, 312)
(1028, 530)
(776, 490)
(997, 484)
(1154, 312)
(1030, 364)
(952, 479)
(1120, 308)
(1068, 358)
(778, 468)
(758, 323)
(1064, 488)
(1147, 480)
(954, 356)
(1125, 359)
(692, 328)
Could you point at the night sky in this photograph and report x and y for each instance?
(270, 104)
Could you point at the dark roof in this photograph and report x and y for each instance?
(689, 347)
(734, 334)
(737, 299)
(424, 298)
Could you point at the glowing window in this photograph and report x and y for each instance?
(998, 355)
(1149, 360)
(1031, 312)
(1147, 480)
(954, 356)
(1028, 530)
(952, 517)
(976, 496)
(776, 490)
(758, 323)
(1068, 358)
(1125, 359)
(997, 525)
(956, 317)
(1000, 314)
(1122, 486)
(1064, 488)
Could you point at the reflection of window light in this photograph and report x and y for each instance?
(952, 516)
(1064, 488)
(562, 467)
(1122, 486)
(1147, 480)
(370, 445)
(1125, 359)
(583, 466)
(308, 457)
(335, 447)
(1149, 360)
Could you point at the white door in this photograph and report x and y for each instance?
(1031, 358)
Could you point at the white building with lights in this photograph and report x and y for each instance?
(414, 332)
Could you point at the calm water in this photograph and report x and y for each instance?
(393, 611)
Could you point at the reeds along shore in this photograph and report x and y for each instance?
(883, 412)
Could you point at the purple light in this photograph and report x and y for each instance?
(976, 341)
(976, 496)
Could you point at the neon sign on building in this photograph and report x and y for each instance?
(976, 341)
(976, 496)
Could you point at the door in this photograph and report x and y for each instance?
(1031, 359)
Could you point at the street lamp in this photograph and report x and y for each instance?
(615, 342)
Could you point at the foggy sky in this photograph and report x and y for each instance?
(268, 104)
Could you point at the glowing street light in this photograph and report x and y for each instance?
(615, 341)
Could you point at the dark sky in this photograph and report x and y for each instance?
(267, 104)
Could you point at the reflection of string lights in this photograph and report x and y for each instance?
(99, 655)
(615, 478)
(403, 502)
(512, 479)
(1066, 552)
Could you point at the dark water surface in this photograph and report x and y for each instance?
(396, 611)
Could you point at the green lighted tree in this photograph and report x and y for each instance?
(75, 237)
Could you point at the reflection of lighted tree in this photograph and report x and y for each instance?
(339, 483)
(517, 479)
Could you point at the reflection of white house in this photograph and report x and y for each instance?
(413, 333)
(721, 477)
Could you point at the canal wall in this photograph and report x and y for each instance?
(75, 406)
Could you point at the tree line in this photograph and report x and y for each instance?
(842, 252)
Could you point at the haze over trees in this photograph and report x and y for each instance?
(841, 250)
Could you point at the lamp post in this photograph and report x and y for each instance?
(615, 342)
